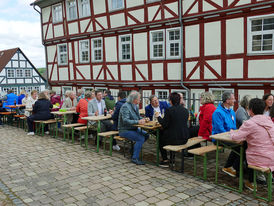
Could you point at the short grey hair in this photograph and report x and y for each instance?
(151, 97)
(88, 94)
(245, 101)
(226, 95)
(132, 96)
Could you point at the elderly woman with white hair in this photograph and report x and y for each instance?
(70, 103)
(128, 117)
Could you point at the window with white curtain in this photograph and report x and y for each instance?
(62, 54)
(71, 9)
(84, 51)
(57, 13)
(84, 8)
(116, 4)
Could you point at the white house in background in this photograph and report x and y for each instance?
(17, 72)
(157, 46)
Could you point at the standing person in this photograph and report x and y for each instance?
(109, 100)
(115, 115)
(259, 134)
(223, 120)
(70, 103)
(30, 101)
(128, 117)
(205, 117)
(155, 106)
(174, 124)
(82, 108)
(268, 100)
(10, 99)
(21, 96)
(41, 111)
(80, 94)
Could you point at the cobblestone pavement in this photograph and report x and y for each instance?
(38, 170)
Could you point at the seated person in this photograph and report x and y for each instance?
(271, 113)
(155, 106)
(82, 107)
(70, 103)
(10, 99)
(128, 117)
(55, 100)
(21, 96)
(174, 124)
(30, 101)
(41, 111)
(258, 131)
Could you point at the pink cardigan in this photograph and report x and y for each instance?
(259, 134)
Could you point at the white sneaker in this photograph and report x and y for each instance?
(261, 177)
(90, 136)
(30, 133)
(47, 132)
(82, 136)
(116, 147)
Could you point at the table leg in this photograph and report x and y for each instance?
(241, 169)
(217, 162)
(98, 137)
(157, 147)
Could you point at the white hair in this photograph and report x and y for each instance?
(132, 96)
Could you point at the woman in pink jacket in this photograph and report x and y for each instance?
(259, 134)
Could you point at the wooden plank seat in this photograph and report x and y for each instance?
(40, 124)
(7, 117)
(202, 151)
(125, 140)
(269, 181)
(181, 148)
(66, 130)
(24, 122)
(110, 136)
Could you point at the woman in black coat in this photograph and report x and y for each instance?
(41, 111)
(174, 123)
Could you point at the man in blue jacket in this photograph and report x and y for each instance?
(223, 120)
(155, 106)
(10, 99)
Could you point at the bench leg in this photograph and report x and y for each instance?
(104, 144)
(195, 162)
(205, 166)
(110, 145)
(269, 185)
(43, 129)
(183, 161)
(86, 138)
(64, 135)
(254, 182)
(72, 135)
(56, 130)
(124, 148)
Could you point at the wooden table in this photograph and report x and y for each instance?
(15, 106)
(98, 119)
(222, 139)
(152, 126)
(142, 111)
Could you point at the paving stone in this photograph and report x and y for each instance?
(164, 203)
(182, 196)
(143, 203)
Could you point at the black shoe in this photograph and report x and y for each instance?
(137, 162)
(164, 163)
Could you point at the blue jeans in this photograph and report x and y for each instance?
(139, 137)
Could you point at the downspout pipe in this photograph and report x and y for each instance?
(182, 57)
(33, 5)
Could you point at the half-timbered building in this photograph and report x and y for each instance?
(18, 73)
(160, 46)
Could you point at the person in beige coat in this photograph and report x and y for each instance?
(70, 103)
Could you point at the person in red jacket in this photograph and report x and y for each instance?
(82, 107)
(205, 117)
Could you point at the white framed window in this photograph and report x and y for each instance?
(173, 43)
(57, 15)
(261, 34)
(10, 73)
(37, 88)
(88, 89)
(19, 73)
(97, 50)
(218, 92)
(149, 1)
(84, 51)
(5, 89)
(157, 44)
(71, 9)
(64, 89)
(162, 94)
(28, 73)
(15, 90)
(22, 88)
(115, 4)
(62, 54)
(125, 48)
(84, 8)
(29, 89)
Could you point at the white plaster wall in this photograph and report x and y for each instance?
(110, 46)
(49, 69)
(140, 46)
(220, 3)
(57, 89)
(45, 14)
(173, 7)
(58, 30)
(73, 28)
(102, 21)
(213, 38)
(117, 20)
(99, 7)
(133, 3)
(143, 69)
(235, 40)
(208, 7)
(51, 50)
(96, 70)
(63, 74)
(187, 4)
(152, 11)
(76, 52)
(26, 80)
(85, 70)
(216, 65)
(157, 71)
(69, 51)
(22, 81)
(114, 71)
(242, 2)
(261, 68)
(174, 71)
(126, 72)
(253, 93)
(189, 68)
(50, 33)
(71, 71)
(138, 14)
(234, 68)
(192, 41)
(44, 31)
(84, 24)
(54, 74)
(42, 87)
